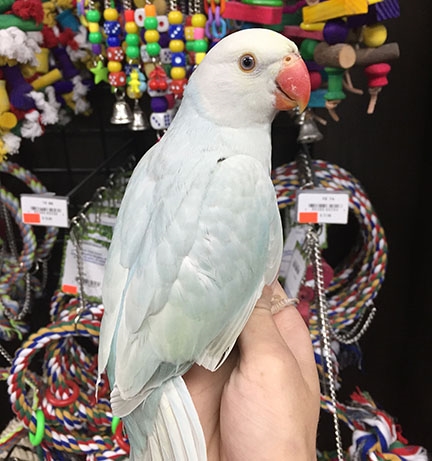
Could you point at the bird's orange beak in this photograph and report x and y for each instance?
(293, 84)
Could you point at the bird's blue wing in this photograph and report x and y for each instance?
(188, 260)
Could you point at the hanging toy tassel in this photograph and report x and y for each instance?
(376, 433)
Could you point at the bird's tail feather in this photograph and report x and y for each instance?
(177, 433)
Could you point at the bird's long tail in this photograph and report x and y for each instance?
(177, 434)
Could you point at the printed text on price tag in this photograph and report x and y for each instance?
(321, 206)
(44, 210)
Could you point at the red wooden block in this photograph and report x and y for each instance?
(253, 13)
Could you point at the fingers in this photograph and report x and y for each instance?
(296, 335)
(260, 336)
(283, 333)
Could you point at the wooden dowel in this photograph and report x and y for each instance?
(339, 55)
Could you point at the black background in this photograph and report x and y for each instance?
(388, 151)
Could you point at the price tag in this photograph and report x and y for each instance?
(93, 256)
(44, 210)
(296, 272)
(321, 206)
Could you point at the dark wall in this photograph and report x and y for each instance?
(388, 152)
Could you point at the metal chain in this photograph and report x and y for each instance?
(76, 229)
(325, 334)
(198, 6)
(359, 329)
(9, 232)
(307, 175)
(26, 306)
(6, 354)
(307, 179)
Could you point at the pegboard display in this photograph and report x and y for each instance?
(112, 82)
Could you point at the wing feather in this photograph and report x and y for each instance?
(180, 284)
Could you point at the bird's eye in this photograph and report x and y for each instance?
(247, 62)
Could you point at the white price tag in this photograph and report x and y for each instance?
(296, 272)
(296, 235)
(93, 256)
(321, 206)
(44, 210)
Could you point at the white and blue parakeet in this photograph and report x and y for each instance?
(197, 237)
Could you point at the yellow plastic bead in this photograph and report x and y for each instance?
(178, 73)
(114, 66)
(199, 20)
(131, 28)
(151, 35)
(374, 36)
(175, 17)
(110, 14)
(176, 46)
(8, 120)
(199, 57)
(93, 26)
(189, 33)
(133, 94)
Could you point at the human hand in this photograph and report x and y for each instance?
(263, 403)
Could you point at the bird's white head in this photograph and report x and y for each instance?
(248, 77)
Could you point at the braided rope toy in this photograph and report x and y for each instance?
(73, 419)
(14, 272)
(44, 248)
(375, 433)
(14, 443)
(354, 285)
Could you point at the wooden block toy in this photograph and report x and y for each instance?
(252, 13)
(330, 9)
(378, 11)
(386, 52)
(387, 9)
(298, 32)
(340, 55)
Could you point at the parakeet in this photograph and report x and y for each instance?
(198, 235)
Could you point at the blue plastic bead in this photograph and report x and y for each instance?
(112, 28)
(178, 59)
(113, 41)
(176, 32)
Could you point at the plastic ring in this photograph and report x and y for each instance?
(223, 29)
(118, 436)
(37, 437)
(53, 400)
(114, 423)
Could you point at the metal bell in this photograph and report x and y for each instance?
(139, 122)
(122, 113)
(308, 131)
